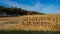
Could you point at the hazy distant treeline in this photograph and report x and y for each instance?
(16, 11)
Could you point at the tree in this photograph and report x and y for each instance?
(17, 11)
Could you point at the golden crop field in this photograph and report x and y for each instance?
(31, 22)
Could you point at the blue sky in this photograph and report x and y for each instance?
(44, 6)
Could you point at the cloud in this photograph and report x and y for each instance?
(11, 3)
(35, 7)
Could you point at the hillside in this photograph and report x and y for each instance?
(31, 22)
(14, 11)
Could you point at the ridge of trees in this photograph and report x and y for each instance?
(16, 11)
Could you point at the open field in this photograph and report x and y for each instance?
(31, 22)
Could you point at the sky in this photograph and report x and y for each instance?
(43, 6)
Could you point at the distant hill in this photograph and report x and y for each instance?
(5, 11)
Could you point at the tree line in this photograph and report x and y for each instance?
(14, 11)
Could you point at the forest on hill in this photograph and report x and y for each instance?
(14, 11)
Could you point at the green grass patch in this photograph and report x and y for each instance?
(27, 32)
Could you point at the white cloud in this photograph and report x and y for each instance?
(35, 7)
(52, 8)
(11, 3)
